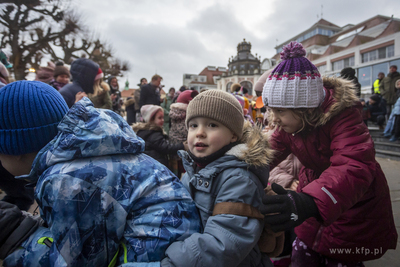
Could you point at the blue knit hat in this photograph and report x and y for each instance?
(30, 112)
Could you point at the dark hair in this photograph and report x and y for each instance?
(170, 89)
(375, 97)
(393, 66)
(141, 80)
(245, 91)
(381, 73)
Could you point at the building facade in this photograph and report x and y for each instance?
(244, 69)
(207, 78)
(369, 47)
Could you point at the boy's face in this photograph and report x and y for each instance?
(206, 136)
(62, 78)
(287, 120)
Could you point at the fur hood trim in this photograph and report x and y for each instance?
(343, 95)
(254, 148)
(129, 102)
(179, 106)
(142, 126)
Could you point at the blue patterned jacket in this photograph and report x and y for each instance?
(99, 194)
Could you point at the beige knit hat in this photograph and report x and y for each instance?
(220, 106)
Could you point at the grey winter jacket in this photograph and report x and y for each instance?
(227, 240)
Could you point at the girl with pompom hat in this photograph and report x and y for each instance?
(342, 202)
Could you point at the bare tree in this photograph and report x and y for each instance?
(29, 26)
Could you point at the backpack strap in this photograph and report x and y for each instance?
(270, 243)
(235, 208)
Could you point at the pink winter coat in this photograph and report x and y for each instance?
(286, 172)
(341, 174)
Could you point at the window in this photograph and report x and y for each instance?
(228, 87)
(396, 63)
(322, 69)
(251, 66)
(380, 53)
(344, 63)
(364, 76)
(390, 51)
(242, 67)
(383, 67)
(234, 67)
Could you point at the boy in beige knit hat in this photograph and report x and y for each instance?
(226, 166)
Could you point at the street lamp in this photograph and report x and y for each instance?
(32, 70)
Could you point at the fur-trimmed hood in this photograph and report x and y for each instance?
(145, 126)
(340, 94)
(181, 106)
(129, 102)
(254, 148)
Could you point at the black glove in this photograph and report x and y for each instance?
(16, 226)
(288, 209)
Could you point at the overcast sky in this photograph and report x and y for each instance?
(173, 37)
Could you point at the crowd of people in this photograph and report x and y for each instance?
(211, 178)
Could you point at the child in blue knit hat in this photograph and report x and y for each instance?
(102, 201)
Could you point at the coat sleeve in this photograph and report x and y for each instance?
(352, 168)
(142, 97)
(162, 145)
(227, 239)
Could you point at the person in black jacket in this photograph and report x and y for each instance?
(83, 73)
(377, 109)
(150, 93)
(151, 131)
(16, 190)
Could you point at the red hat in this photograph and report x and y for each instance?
(186, 96)
(99, 75)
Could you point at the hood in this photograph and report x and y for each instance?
(181, 106)
(254, 148)
(254, 153)
(84, 72)
(87, 132)
(339, 95)
(142, 126)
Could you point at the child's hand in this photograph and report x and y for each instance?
(79, 96)
(288, 209)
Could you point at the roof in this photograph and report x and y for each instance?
(210, 74)
(127, 93)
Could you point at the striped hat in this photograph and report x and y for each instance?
(295, 82)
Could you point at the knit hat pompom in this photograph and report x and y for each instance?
(293, 50)
(295, 82)
(186, 96)
(148, 111)
(30, 113)
(219, 106)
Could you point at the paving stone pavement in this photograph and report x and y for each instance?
(391, 168)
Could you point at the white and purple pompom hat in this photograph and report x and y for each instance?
(295, 82)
